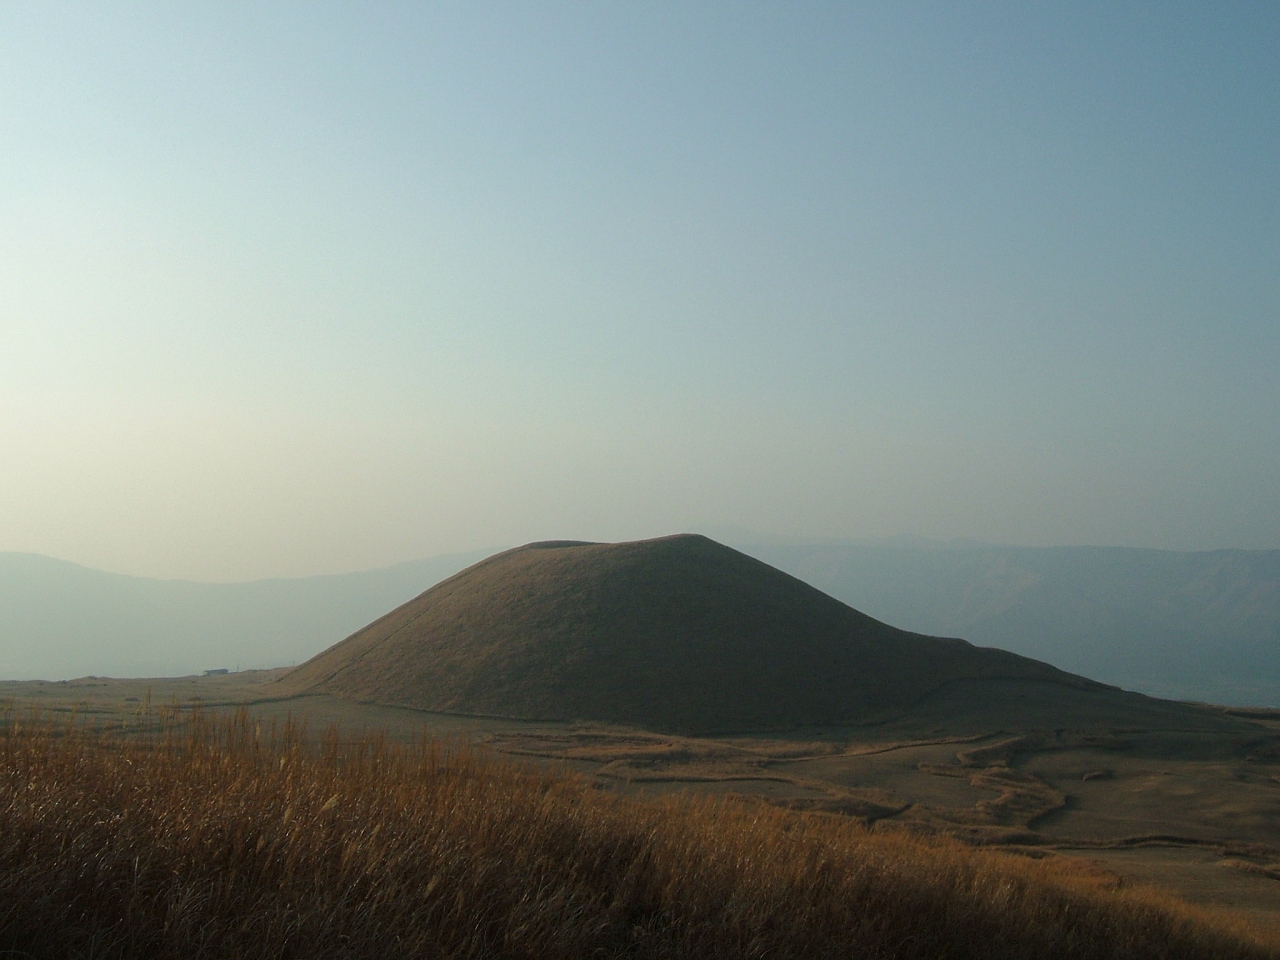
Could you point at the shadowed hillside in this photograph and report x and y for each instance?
(676, 633)
(1203, 625)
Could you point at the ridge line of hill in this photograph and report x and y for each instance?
(677, 633)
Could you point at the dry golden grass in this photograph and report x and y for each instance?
(207, 837)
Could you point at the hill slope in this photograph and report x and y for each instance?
(675, 633)
(1202, 625)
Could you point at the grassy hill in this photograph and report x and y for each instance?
(1203, 625)
(675, 633)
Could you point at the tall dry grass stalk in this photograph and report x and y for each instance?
(200, 837)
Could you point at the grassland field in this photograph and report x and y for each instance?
(1193, 813)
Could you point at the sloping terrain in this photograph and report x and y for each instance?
(678, 633)
(1185, 797)
(200, 837)
(1201, 625)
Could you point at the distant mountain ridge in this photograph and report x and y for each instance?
(59, 620)
(1197, 625)
(1194, 625)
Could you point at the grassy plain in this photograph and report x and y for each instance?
(137, 831)
(1190, 808)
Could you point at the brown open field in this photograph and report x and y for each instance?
(1187, 801)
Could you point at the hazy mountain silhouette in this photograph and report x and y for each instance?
(1198, 625)
(676, 633)
(59, 620)
(1203, 625)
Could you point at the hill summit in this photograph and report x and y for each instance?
(678, 633)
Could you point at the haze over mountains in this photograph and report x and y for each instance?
(59, 620)
(1203, 625)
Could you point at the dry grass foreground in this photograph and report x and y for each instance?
(219, 838)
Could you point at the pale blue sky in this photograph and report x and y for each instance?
(290, 289)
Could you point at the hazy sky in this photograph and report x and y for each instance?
(288, 289)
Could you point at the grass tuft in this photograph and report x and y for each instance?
(204, 837)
